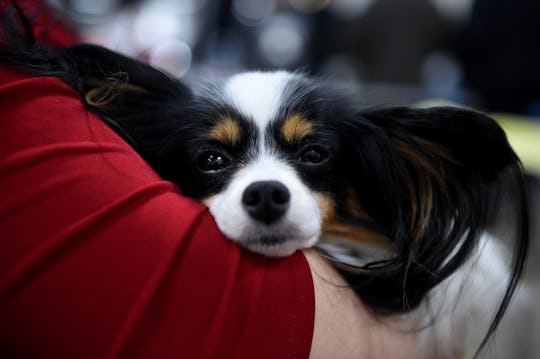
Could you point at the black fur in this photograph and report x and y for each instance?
(429, 179)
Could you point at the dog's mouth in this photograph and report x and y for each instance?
(277, 246)
(268, 241)
(268, 217)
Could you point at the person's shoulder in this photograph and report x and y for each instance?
(16, 84)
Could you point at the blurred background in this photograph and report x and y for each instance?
(479, 53)
(483, 53)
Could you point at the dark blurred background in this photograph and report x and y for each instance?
(479, 53)
(483, 53)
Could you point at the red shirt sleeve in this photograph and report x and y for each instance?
(100, 258)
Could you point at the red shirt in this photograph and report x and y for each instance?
(101, 258)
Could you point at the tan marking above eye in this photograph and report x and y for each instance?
(296, 128)
(226, 131)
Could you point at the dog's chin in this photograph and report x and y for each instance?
(297, 229)
(277, 240)
(273, 246)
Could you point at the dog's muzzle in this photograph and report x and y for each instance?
(266, 201)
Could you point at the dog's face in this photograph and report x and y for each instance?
(281, 160)
(262, 154)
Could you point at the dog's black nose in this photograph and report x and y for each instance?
(266, 201)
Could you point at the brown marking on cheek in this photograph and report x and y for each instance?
(226, 131)
(295, 128)
(356, 234)
(333, 227)
(327, 206)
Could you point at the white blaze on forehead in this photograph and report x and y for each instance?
(257, 95)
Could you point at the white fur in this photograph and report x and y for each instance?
(457, 313)
(301, 225)
(258, 95)
(453, 319)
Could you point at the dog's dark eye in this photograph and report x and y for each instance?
(212, 161)
(313, 155)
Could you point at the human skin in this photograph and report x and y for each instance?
(346, 328)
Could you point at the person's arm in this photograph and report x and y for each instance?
(346, 328)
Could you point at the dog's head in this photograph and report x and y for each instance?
(262, 153)
(268, 154)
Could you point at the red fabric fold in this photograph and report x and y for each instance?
(99, 257)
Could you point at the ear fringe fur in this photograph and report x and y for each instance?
(434, 179)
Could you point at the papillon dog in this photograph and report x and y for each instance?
(410, 204)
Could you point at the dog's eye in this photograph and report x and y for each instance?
(212, 161)
(313, 155)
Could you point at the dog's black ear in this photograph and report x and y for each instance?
(433, 180)
(141, 103)
(144, 104)
(418, 163)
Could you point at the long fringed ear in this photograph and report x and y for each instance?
(146, 103)
(432, 179)
(141, 103)
(99, 67)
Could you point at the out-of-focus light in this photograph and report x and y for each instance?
(342, 68)
(349, 9)
(225, 47)
(441, 73)
(457, 10)
(158, 21)
(309, 6)
(95, 7)
(116, 33)
(281, 40)
(253, 12)
(153, 23)
(171, 56)
(186, 7)
(89, 12)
